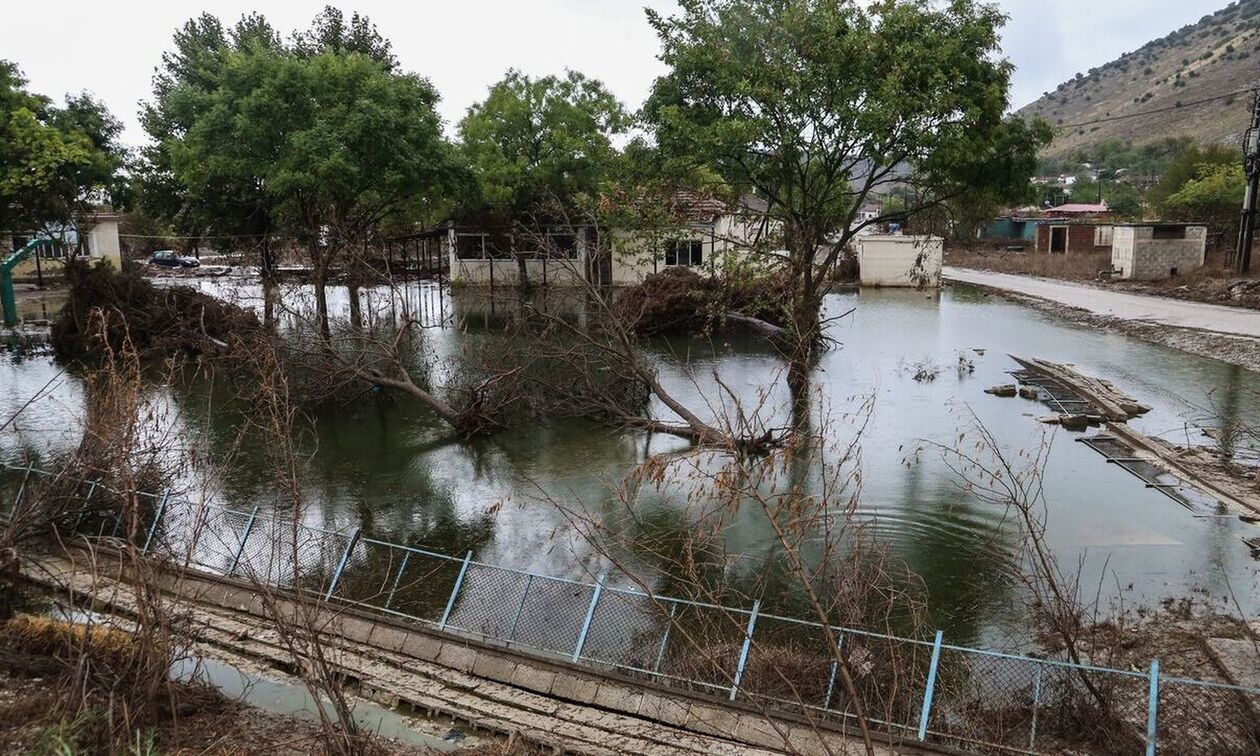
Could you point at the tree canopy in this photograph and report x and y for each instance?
(535, 140)
(819, 105)
(1189, 165)
(1213, 196)
(319, 137)
(55, 162)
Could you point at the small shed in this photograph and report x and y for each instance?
(1157, 251)
(901, 261)
(1012, 227)
(1062, 236)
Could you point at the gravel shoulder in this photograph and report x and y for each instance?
(1193, 327)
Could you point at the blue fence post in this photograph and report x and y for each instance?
(590, 615)
(397, 579)
(743, 652)
(660, 652)
(157, 518)
(835, 667)
(459, 581)
(926, 714)
(341, 566)
(520, 607)
(1152, 709)
(240, 548)
(83, 508)
(17, 500)
(1032, 734)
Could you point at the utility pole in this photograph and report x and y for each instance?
(1251, 158)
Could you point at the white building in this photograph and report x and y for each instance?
(710, 234)
(99, 233)
(901, 261)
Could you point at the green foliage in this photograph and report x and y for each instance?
(538, 140)
(1114, 155)
(819, 106)
(1186, 167)
(323, 138)
(55, 162)
(1213, 196)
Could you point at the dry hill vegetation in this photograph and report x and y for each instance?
(1214, 58)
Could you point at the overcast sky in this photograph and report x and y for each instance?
(463, 46)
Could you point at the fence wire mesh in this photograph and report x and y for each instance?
(949, 694)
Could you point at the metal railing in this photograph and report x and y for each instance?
(915, 689)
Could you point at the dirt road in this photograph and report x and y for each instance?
(1136, 308)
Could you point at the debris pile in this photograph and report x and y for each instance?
(106, 308)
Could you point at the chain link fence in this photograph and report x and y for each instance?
(914, 689)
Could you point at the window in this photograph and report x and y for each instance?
(1168, 232)
(1103, 236)
(470, 246)
(684, 252)
(562, 245)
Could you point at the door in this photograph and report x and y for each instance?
(1058, 239)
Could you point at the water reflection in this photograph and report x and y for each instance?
(392, 468)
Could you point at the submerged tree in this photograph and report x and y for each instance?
(538, 141)
(822, 105)
(322, 139)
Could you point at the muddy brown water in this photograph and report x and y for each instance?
(389, 466)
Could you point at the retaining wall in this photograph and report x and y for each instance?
(550, 677)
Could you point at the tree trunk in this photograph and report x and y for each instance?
(356, 307)
(321, 302)
(270, 294)
(803, 341)
(269, 284)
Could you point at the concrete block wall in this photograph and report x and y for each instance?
(1138, 256)
(901, 261)
(508, 272)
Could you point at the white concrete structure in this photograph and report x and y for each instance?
(706, 245)
(1158, 251)
(100, 245)
(901, 261)
(476, 259)
(713, 235)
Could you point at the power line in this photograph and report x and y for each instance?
(201, 236)
(1155, 111)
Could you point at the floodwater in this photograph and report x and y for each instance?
(390, 466)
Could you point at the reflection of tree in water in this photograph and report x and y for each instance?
(963, 556)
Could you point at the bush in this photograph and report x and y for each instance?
(679, 300)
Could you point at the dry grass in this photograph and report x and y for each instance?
(1070, 267)
(63, 640)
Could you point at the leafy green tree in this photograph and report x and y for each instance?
(323, 140)
(1187, 167)
(330, 33)
(1214, 196)
(533, 142)
(360, 144)
(55, 162)
(819, 105)
(199, 174)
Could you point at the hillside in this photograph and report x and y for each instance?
(1214, 58)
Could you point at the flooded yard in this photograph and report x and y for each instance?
(391, 467)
